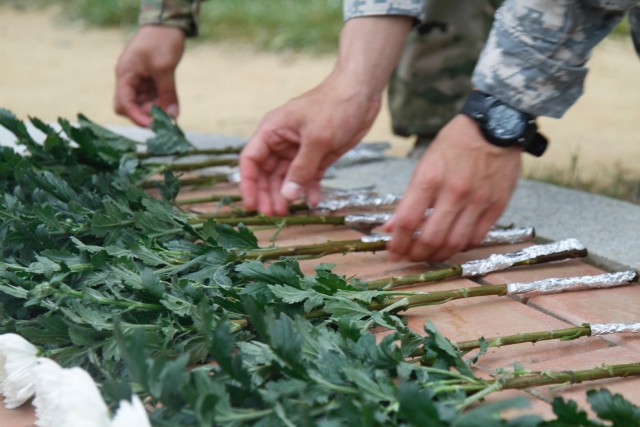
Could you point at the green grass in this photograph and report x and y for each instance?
(311, 26)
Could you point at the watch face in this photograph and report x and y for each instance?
(505, 122)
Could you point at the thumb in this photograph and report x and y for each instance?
(167, 95)
(303, 171)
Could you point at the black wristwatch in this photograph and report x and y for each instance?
(503, 125)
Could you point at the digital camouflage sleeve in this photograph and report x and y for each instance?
(535, 56)
(356, 8)
(176, 13)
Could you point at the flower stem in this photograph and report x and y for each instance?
(277, 220)
(193, 181)
(217, 198)
(321, 249)
(532, 337)
(195, 152)
(188, 167)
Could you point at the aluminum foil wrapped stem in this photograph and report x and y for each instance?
(548, 286)
(493, 237)
(614, 328)
(497, 262)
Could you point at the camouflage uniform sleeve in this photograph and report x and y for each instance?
(535, 56)
(634, 22)
(356, 8)
(176, 13)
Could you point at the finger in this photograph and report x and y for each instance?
(409, 214)
(265, 206)
(485, 222)
(434, 232)
(265, 202)
(167, 95)
(460, 235)
(313, 193)
(125, 103)
(280, 205)
(251, 163)
(304, 168)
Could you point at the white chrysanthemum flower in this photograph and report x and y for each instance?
(67, 397)
(17, 361)
(131, 414)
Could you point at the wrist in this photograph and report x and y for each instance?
(503, 125)
(179, 14)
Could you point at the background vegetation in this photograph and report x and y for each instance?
(310, 26)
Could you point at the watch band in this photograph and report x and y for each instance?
(476, 106)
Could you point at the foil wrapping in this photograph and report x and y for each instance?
(363, 153)
(373, 219)
(614, 328)
(548, 286)
(341, 192)
(376, 237)
(509, 236)
(497, 262)
(358, 200)
(514, 235)
(234, 177)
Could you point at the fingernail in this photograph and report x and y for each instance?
(291, 190)
(172, 110)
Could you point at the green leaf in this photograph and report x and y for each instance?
(119, 142)
(169, 187)
(285, 272)
(177, 305)
(228, 237)
(488, 415)
(447, 355)
(291, 295)
(569, 414)
(417, 406)
(614, 408)
(168, 138)
(10, 122)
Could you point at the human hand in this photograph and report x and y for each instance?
(294, 144)
(468, 183)
(145, 73)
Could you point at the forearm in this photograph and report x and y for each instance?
(369, 50)
(535, 57)
(181, 14)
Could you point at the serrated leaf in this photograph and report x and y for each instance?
(285, 272)
(168, 138)
(177, 305)
(417, 406)
(291, 295)
(229, 237)
(614, 408)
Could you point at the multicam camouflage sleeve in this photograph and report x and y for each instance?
(536, 53)
(176, 13)
(356, 8)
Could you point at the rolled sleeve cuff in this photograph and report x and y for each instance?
(528, 81)
(182, 14)
(358, 8)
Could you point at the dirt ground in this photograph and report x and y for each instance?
(50, 68)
